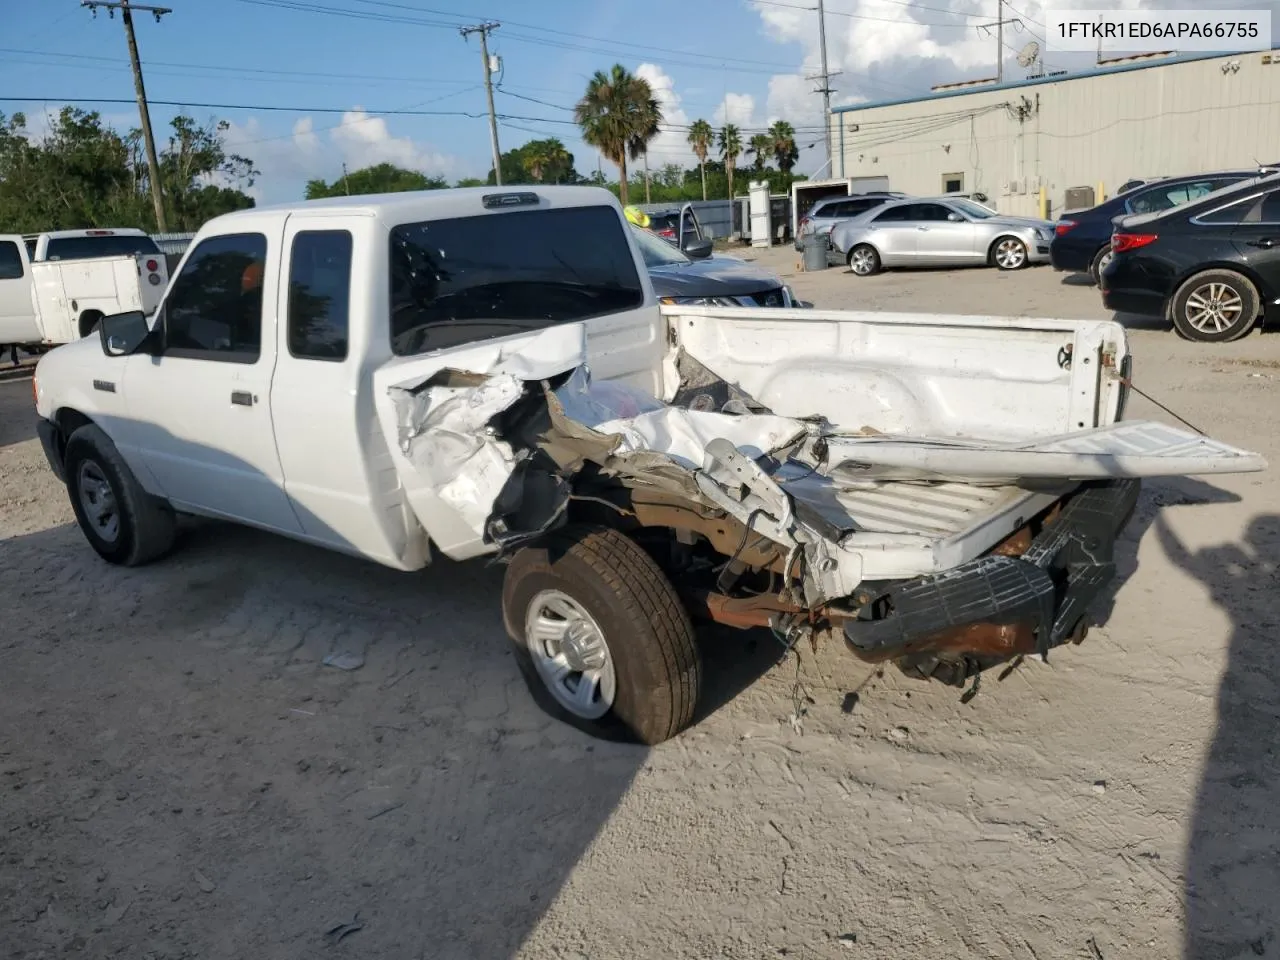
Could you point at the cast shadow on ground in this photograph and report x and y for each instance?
(1232, 880)
(1233, 860)
(17, 409)
(423, 793)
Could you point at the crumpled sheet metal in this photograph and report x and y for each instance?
(446, 430)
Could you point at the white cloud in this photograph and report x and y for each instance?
(672, 144)
(306, 153)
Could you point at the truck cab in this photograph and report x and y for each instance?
(487, 372)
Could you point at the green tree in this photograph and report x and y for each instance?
(701, 136)
(380, 178)
(471, 182)
(730, 141)
(760, 147)
(619, 116)
(785, 151)
(555, 163)
(86, 174)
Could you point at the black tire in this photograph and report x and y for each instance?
(145, 528)
(868, 260)
(646, 629)
(1017, 250)
(1232, 290)
(1095, 267)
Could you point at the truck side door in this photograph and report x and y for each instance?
(17, 309)
(200, 411)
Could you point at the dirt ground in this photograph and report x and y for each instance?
(181, 776)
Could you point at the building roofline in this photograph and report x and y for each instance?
(1039, 81)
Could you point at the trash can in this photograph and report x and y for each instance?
(815, 252)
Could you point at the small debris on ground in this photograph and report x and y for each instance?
(1100, 787)
(204, 883)
(345, 660)
(335, 934)
(900, 734)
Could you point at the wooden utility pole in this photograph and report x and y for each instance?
(153, 161)
(484, 29)
(826, 89)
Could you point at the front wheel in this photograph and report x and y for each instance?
(1009, 253)
(121, 521)
(1215, 306)
(601, 637)
(864, 260)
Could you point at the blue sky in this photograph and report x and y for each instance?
(702, 56)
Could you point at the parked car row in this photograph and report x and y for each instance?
(1211, 265)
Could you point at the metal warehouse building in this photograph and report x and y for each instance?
(1026, 144)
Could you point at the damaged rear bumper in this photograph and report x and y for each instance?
(998, 606)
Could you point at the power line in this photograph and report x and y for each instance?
(865, 16)
(153, 163)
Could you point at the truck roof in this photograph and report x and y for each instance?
(413, 205)
(90, 232)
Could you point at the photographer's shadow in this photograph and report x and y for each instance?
(1233, 861)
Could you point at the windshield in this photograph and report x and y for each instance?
(474, 278)
(656, 251)
(82, 248)
(975, 210)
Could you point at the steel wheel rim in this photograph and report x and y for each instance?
(1009, 253)
(98, 501)
(1213, 308)
(861, 261)
(570, 654)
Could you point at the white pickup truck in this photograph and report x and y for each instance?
(55, 287)
(487, 372)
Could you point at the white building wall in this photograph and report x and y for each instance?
(1091, 130)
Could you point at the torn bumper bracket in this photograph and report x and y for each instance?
(1003, 605)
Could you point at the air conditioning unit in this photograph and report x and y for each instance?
(1079, 198)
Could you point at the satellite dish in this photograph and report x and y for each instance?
(1027, 55)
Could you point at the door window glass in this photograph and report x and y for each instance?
(214, 311)
(319, 294)
(10, 261)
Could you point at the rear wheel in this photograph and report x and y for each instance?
(1100, 260)
(601, 637)
(864, 260)
(1009, 253)
(1215, 306)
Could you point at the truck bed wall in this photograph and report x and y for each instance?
(915, 374)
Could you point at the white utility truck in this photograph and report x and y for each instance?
(486, 372)
(55, 287)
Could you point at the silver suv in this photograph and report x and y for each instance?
(829, 211)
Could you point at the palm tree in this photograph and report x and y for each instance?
(730, 149)
(701, 136)
(785, 150)
(536, 159)
(760, 147)
(559, 160)
(619, 115)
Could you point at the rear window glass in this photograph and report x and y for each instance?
(81, 248)
(475, 278)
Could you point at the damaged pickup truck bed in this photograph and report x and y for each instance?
(479, 373)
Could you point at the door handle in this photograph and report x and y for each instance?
(1266, 243)
(922, 228)
(242, 398)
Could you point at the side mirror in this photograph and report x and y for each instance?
(955, 218)
(123, 333)
(698, 249)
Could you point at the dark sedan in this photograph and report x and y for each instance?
(1082, 241)
(694, 276)
(1211, 266)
